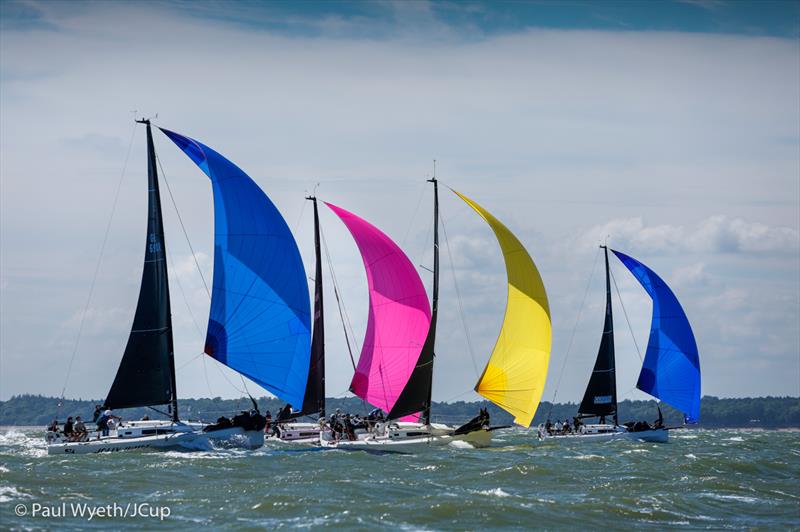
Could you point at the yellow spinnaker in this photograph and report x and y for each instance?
(515, 374)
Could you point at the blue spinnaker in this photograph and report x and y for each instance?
(671, 369)
(260, 318)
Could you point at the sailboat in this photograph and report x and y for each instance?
(286, 428)
(399, 320)
(670, 370)
(396, 374)
(259, 323)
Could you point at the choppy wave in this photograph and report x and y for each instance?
(702, 479)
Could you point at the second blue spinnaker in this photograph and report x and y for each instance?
(671, 369)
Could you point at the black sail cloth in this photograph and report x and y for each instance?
(146, 375)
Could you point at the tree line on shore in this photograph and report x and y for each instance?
(754, 412)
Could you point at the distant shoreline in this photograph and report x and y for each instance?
(745, 413)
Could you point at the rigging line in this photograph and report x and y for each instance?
(339, 297)
(227, 379)
(177, 279)
(346, 314)
(456, 396)
(338, 292)
(97, 267)
(625, 313)
(196, 325)
(458, 298)
(245, 385)
(414, 216)
(205, 373)
(183, 227)
(300, 218)
(191, 314)
(183, 294)
(425, 246)
(160, 411)
(339, 303)
(189, 361)
(574, 329)
(383, 389)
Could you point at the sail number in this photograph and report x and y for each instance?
(154, 245)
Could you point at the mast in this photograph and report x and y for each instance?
(416, 396)
(146, 375)
(152, 173)
(600, 398)
(314, 400)
(426, 414)
(611, 336)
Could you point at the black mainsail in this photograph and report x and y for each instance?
(416, 396)
(314, 400)
(600, 398)
(146, 375)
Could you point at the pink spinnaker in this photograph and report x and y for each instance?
(399, 316)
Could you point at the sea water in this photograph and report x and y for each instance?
(701, 479)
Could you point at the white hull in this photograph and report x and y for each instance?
(178, 441)
(297, 433)
(156, 435)
(407, 437)
(608, 433)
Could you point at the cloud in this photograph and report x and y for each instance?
(186, 266)
(716, 234)
(692, 274)
(682, 147)
(725, 235)
(99, 321)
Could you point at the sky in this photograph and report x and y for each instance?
(671, 130)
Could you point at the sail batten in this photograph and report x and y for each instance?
(146, 375)
(671, 367)
(260, 317)
(515, 375)
(399, 316)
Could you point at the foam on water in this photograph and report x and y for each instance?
(496, 492)
(587, 457)
(718, 479)
(10, 493)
